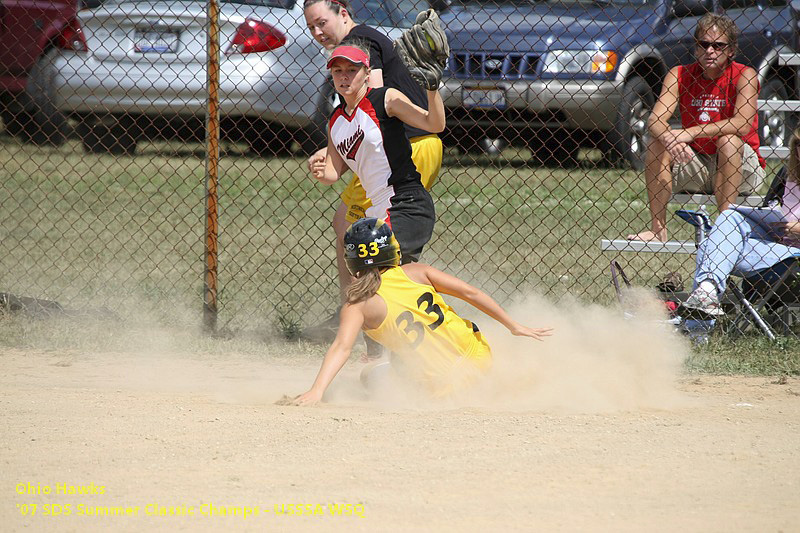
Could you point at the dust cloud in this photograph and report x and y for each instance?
(595, 361)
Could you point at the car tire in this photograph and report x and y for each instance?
(108, 135)
(628, 140)
(43, 123)
(773, 126)
(315, 135)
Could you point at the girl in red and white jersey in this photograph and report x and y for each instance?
(367, 135)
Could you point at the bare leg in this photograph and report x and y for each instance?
(340, 225)
(729, 170)
(658, 179)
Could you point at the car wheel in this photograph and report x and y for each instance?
(108, 135)
(773, 126)
(40, 122)
(628, 139)
(315, 135)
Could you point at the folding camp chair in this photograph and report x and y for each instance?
(774, 291)
(621, 285)
(670, 291)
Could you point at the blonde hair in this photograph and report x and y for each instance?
(357, 42)
(365, 286)
(794, 159)
(724, 25)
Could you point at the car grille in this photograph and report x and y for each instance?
(493, 65)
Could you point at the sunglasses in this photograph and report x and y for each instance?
(716, 45)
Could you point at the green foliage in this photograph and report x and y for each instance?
(288, 324)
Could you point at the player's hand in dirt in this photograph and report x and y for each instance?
(285, 400)
(309, 398)
(535, 333)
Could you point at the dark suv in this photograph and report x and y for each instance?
(557, 75)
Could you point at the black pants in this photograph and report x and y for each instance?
(412, 217)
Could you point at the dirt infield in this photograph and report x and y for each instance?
(190, 444)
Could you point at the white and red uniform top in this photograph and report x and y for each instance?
(703, 101)
(376, 148)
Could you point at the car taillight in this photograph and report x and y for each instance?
(71, 38)
(255, 36)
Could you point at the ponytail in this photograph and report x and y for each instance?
(365, 286)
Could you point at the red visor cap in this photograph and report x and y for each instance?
(350, 53)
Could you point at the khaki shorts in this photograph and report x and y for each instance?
(697, 176)
(426, 152)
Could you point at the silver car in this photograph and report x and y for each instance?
(138, 68)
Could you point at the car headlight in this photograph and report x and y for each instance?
(580, 61)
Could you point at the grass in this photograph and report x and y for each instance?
(750, 355)
(127, 234)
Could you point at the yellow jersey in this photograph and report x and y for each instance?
(435, 346)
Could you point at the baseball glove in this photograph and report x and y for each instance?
(423, 48)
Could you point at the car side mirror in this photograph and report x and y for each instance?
(692, 8)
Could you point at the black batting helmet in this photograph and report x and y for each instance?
(368, 243)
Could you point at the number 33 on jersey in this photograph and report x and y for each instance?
(419, 321)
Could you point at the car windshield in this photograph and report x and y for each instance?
(398, 13)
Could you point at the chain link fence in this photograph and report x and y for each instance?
(103, 148)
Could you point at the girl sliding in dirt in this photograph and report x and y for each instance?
(401, 308)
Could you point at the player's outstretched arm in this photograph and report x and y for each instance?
(350, 322)
(399, 106)
(447, 284)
